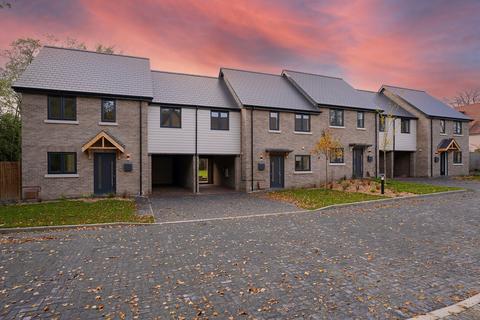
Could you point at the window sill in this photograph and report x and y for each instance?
(61, 121)
(337, 164)
(274, 131)
(457, 135)
(101, 123)
(73, 175)
(443, 134)
(337, 127)
(360, 128)
(302, 172)
(457, 164)
(302, 132)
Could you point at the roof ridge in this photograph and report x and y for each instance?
(387, 85)
(249, 71)
(312, 74)
(185, 74)
(365, 90)
(90, 51)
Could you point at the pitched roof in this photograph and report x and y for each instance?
(265, 90)
(74, 70)
(425, 103)
(472, 111)
(448, 145)
(381, 102)
(324, 90)
(194, 90)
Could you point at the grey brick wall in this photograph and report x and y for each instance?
(38, 138)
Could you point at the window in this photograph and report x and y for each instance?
(302, 122)
(62, 108)
(457, 129)
(302, 163)
(219, 120)
(337, 155)
(457, 157)
(336, 118)
(62, 162)
(170, 117)
(360, 119)
(108, 110)
(274, 121)
(404, 125)
(442, 126)
(381, 124)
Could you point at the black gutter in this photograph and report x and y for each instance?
(191, 106)
(431, 147)
(283, 109)
(393, 147)
(251, 145)
(196, 151)
(376, 147)
(141, 143)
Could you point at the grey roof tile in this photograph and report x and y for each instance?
(87, 72)
(330, 91)
(381, 102)
(266, 90)
(426, 103)
(194, 90)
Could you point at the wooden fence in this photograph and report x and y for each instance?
(10, 181)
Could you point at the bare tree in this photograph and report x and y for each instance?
(466, 97)
(386, 128)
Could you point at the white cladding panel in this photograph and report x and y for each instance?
(406, 141)
(171, 140)
(218, 141)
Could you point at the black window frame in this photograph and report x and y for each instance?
(62, 162)
(302, 156)
(334, 124)
(277, 122)
(62, 108)
(455, 158)
(457, 125)
(362, 119)
(169, 125)
(102, 119)
(443, 126)
(404, 129)
(382, 124)
(333, 160)
(301, 127)
(218, 126)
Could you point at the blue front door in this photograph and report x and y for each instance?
(104, 169)
(277, 168)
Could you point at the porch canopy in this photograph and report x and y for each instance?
(448, 145)
(103, 142)
(278, 150)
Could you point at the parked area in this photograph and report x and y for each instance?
(387, 261)
(173, 173)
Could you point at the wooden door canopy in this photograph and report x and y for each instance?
(448, 145)
(103, 142)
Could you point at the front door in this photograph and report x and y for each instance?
(104, 169)
(277, 167)
(357, 163)
(443, 163)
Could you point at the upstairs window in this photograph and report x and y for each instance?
(360, 119)
(302, 122)
(442, 127)
(457, 127)
(170, 117)
(337, 155)
(302, 163)
(62, 162)
(405, 125)
(108, 110)
(62, 108)
(336, 118)
(381, 124)
(274, 121)
(219, 120)
(457, 157)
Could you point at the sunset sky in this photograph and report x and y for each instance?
(432, 45)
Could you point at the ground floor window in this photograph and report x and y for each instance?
(62, 162)
(457, 157)
(337, 155)
(302, 163)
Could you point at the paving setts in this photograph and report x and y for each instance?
(375, 261)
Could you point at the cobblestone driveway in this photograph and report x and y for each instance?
(374, 261)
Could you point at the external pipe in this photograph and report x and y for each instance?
(141, 149)
(251, 146)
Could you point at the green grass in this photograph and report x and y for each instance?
(67, 212)
(416, 188)
(318, 198)
(203, 174)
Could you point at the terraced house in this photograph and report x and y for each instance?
(96, 123)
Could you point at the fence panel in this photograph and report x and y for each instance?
(10, 181)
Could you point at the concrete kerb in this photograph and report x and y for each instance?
(261, 215)
(450, 310)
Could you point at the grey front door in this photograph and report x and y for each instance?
(104, 169)
(277, 168)
(443, 163)
(357, 163)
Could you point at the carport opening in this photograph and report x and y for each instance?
(216, 173)
(172, 173)
(403, 164)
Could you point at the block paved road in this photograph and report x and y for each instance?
(374, 261)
